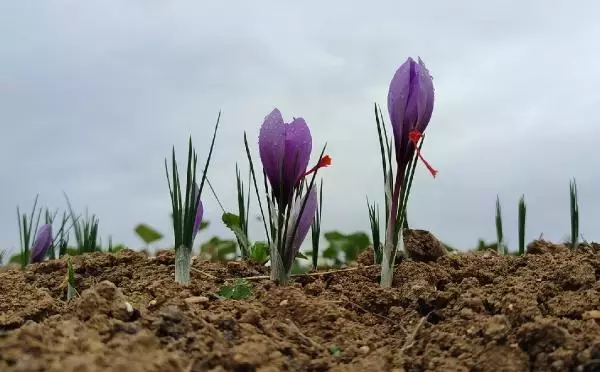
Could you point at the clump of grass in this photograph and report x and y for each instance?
(86, 231)
(27, 231)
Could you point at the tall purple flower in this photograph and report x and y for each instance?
(300, 223)
(410, 105)
(43, 240)
(284, 151)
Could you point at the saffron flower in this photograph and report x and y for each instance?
(43, 241)
(285, 152)
(410, 106)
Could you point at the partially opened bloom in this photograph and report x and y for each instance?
(284, 151)
(410, 105)
(43, 240)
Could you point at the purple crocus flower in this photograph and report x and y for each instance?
(410, 105)
(43, 240)
(284, 151)
(199, 212)
(303, 222)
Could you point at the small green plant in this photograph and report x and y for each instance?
(239, 290)
(334, 350)
(499, 233)
(148, 234)
(187, 209)
(218, 249)
(522, 216)
(374, 222)
(86, 230)
(243, 211)
(233, 222)
(345, 248)
(27, 232)
(114, 248)
(574, 215)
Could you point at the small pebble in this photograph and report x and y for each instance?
(364, 349)
(128, 307)
(196, 300)
(283, 303)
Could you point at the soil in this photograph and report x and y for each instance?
(461, 312)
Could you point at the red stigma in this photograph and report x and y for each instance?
(325, 161)
(415, 136)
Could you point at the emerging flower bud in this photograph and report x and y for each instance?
(43, 241)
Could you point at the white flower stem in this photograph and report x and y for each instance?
(182, 265)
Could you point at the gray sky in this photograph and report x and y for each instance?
(93, 95)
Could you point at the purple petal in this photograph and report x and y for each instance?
(426, 96)
(284, 152)
(304, 221)
(43, 240)
(271, 144)
(298, 146)
(398, 97)
(198, 220)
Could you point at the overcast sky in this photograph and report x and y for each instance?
(93, 94)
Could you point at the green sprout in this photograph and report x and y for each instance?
(86, 231)
(374, 221)
(185, 208)
(239, 290)
(499, 234)
(239, 223)
(27, 231)
(522, 216)
(574, 214)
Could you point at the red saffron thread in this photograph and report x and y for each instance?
(415, 136)
(325, 161)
